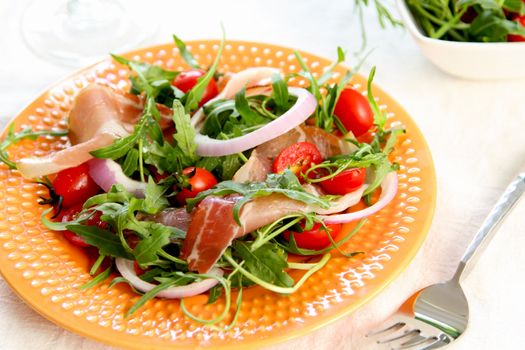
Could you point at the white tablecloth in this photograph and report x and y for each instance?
(474, 129)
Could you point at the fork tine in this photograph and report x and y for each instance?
(418, 340)
(391, 329)
(438, 342)
(412, 333)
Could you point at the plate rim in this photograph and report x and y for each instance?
(272, 340)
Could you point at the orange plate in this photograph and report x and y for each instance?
(46, 271)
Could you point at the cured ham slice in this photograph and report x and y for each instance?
(176, 217)
(99, 115)
(72, 156)
(328, 144)
(213, 227)
(211, 231)
(254, 170)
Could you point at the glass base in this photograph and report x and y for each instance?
(77, 32)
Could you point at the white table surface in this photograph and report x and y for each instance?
(474, 129)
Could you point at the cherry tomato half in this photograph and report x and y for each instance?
(345, 182)
(200, 180)
(298, 157)
(185, 81)
(75, 185)
(514, 37)
(70, 214)
(354, 111)
(316, 238)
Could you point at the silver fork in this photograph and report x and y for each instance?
(437, 315)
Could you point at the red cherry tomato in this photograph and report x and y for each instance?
(200, 180)
(75, 185)
(185, 81)
(354, 111)
(70, 214)
(316, 238)
(298, 157)
(345, 182)
(514, 37)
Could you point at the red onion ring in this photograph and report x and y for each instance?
(106, 173)
(247, 78)
(127, 270)
(300, 111)
(388, 192)
(344, 202)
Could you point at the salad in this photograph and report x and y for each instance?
(205, 181)
(471, 20)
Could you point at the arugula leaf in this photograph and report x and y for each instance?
(130, 165)
(489, 26)
(517, 6)
(61, 226)
(232, 118)
(267, 262)
(13, 137)
(185, 135)
(117, 149)
(215, 293)
(149, 78)
(165, 158)
(101, 277)
(379, 116)
(194, 96)
(248, 116)
(150, 295)
(106, 242)
(154, 200)
(341, 56)
(225, 167)
(186, 55)
(280, 92)
(391, 141)
(380, 171)
(229, 165)
(148, 248)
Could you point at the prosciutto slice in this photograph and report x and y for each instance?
(255, 169)
(211, 231)
(176, 217)
(213, 228)
(328, 144)
(99, 115)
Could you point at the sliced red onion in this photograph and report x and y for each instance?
(300, 111)
(388, 192)
(344, 202)
(106, 173)
(127, 270)
(247, 78)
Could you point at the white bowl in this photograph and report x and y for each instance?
(479, 61)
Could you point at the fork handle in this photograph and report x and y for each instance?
(492, 222)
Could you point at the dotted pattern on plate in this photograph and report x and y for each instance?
(44, 263)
